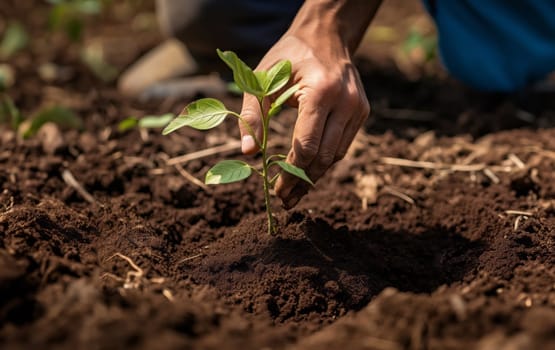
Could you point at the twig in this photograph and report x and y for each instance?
(73, 183)
(517, 222)
(190, 177)
(491, 175)
(431, 165)
(232, 145)
(189, 258)
(399, 194)
(534, 175)
(411, 163)
(324, 255)
(168, 294)
(518, 212)
(541, 151)
(112, 276)
(501, 169)
(133, 279)
(519, 163)
(465, 167)
(130, 262)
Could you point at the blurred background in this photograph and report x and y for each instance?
(58, 56)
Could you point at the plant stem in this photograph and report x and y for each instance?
(265, 175)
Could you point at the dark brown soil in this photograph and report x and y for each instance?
(377, 256)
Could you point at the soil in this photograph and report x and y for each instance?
(455, 251)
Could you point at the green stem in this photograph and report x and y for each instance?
(265, 174)
(280, 156)
(274, 179)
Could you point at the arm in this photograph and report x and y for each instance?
(331, 101)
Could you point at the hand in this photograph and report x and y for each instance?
(331, 102)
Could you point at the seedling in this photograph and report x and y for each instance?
(208, 113)
(146, 122)
(69, 15)
(15, 39)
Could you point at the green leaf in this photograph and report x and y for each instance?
(7, 76)
(88, 7)
(9, 112)
(293, 170)
(420, 46)
(59, 115)
(202, 114)
(233, 89)
(156, 121)
(277, 77)
(242, 74)
(275, 107)
(262, 77)
(227, 171)
(93, 56)
(70, 16)
(74, 29)
(128, 124)
(15, 38)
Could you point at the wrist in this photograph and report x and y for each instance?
(334, 22)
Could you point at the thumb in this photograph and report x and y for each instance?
(250, 125)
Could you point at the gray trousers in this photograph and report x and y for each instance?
(248, 27)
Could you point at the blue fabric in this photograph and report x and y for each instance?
(496, 45)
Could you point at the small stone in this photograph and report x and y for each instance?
(7, 75)
(51, 138)
(87, 142)
(7, 136)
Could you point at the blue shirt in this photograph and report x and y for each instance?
(496, 45)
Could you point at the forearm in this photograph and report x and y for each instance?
(341, 21)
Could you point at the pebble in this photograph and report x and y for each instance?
(51, 138)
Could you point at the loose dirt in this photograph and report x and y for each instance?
(436, 231)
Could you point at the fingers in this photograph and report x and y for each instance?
(320, 163)
(307, 135)
(250, 125)
(316, 149)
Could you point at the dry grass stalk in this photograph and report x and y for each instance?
(517, 222)
(491, 175)
(519, 163)
(189, 177)
(135, 278)
(232, 145)
(432, 165)
(189, 258)
(73, 183)
(446, 167)
(399, 194)
(168, 294)
(519, 212)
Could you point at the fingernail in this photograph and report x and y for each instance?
(247, 144)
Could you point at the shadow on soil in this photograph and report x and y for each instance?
(415, 263)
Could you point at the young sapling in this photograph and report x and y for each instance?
(208, 113)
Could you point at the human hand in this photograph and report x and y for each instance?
(331, 102)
